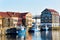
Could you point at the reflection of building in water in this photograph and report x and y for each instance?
(46, 35)
(55, 35)
(28, 36)
(36, 36)
(49, 35)
(3, 37)
(10, 37)
(43, 35)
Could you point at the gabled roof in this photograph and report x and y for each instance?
(13, 14)
(4, 14)
(9, 14)
(55, 12)
(52, 10)
(23, 15)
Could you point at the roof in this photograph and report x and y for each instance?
(13, 14)
(52, 10)
(55, 12)
(4, 14)
(9, 14)
(23, 15)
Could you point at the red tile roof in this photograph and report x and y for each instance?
(52, 10)
(4, 14)
(23, 15)
(55, 12)
(14, 14)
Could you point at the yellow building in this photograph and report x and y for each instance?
(55, 19)
(0, 21)
(15, 20)
(29, 20)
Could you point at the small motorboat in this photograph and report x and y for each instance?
(21, 29)
(16, 30)
(11, 31)
(35, 28)
(44, 28)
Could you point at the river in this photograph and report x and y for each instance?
(43, 35)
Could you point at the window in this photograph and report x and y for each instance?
(42, 18)
(15, 20)
(41, 21)
(50, 18)
(46, 18)
(6, 22)
(11, 22)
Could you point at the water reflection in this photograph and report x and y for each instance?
(11, 37)
(2, 37)
(43, 35)
(21, 36)
(56, 35)
(36, 36)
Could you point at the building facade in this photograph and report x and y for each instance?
(55, 19)
(26, 19)
(14, 19)
(50, 18)
(46, 18)
(29, 20)
(59, 20)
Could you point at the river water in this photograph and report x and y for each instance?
(43, 35)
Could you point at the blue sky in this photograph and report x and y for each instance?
(33, 6)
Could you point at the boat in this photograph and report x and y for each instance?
(16, 30)
(11, 31)
(21, 29)
(35, 28)
(44, 28)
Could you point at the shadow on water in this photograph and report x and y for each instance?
(15, 37)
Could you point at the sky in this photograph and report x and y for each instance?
(35, 7)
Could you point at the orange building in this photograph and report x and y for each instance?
(14, 19)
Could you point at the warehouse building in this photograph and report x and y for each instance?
(50, 18)
(14, 19)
